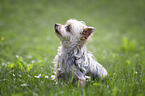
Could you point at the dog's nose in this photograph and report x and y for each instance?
(55, 25)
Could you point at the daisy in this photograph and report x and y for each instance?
(38, 76)
(46, 76)
(52, 77)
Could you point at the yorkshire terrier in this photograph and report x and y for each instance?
(74, 63)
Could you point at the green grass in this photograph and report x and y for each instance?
(28, 45)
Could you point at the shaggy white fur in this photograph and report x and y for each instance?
(73, 61)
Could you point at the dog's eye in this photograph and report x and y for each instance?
(68, 28)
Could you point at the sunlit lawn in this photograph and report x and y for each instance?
(28, 45)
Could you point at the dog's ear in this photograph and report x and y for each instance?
(87, 32)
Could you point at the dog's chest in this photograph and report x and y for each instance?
(76, 58)
(67, 59)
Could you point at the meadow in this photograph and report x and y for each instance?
(28, 45)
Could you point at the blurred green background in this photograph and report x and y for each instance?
(27, 26)
(26, 30)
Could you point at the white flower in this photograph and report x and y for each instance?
(54, 72)
(46, 76)
(38, 76)
(23, 84)
(3, 64)
(52, 77)
(14, 75)
(39, 61)
(8, 63)
(29, 57)
(33, 61)
(135, 72)
(17, 56)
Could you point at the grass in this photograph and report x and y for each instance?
(28, 45)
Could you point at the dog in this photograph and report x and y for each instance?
(74, 62)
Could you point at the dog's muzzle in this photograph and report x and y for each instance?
(56, 30)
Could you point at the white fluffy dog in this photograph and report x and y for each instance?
(73, 62)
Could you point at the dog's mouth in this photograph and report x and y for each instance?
(56, 30)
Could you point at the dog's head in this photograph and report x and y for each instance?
(73, 31)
